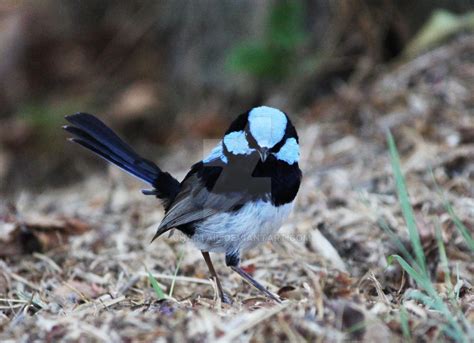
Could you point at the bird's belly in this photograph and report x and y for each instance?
(241, 230)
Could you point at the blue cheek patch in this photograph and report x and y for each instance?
(289, 152)
(236, 143)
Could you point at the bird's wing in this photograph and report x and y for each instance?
(195, 202)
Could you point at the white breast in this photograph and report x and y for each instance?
(241, 230)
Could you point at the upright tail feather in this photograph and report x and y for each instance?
(94, 135)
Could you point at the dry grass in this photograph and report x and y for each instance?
(329, 261)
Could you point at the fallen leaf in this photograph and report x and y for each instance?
(38, 234)
(290, 292)
(338, 284)
(73, 290)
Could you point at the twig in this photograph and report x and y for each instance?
(252, 320)
(178, 278)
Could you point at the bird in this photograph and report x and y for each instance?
(234, 199)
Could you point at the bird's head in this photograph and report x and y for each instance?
(263, 130)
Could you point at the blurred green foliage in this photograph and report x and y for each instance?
(46, 116)
(45, 119)
(41, 116)
(272, 56)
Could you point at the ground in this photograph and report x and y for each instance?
(76, 260)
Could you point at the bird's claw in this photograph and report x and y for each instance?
(226, 299)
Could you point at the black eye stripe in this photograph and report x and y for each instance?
(278, 146)
(239, 124)
(290, 132)
(250, 138)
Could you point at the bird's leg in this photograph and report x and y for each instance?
(224, 297)
(233, 262)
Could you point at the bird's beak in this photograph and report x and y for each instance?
(264, 152)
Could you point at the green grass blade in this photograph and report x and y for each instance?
(396, 240)
(443, 257)
(460, 226)
(415, 275)
(423, 298)
(405, 205)
(405, 324)
(417, 269)
(457, 222)
(457, 287)
(156, 287)
(434, 301)
(178, 264)
(458, 337)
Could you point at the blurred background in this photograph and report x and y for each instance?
(169, 76)
(169, 73)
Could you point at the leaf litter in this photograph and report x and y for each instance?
(75, 262)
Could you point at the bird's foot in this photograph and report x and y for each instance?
(226, 298)
(256, 284)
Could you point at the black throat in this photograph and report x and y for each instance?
(273, 180)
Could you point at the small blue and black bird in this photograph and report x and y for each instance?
(231, 201)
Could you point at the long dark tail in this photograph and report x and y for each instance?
(94, 135)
